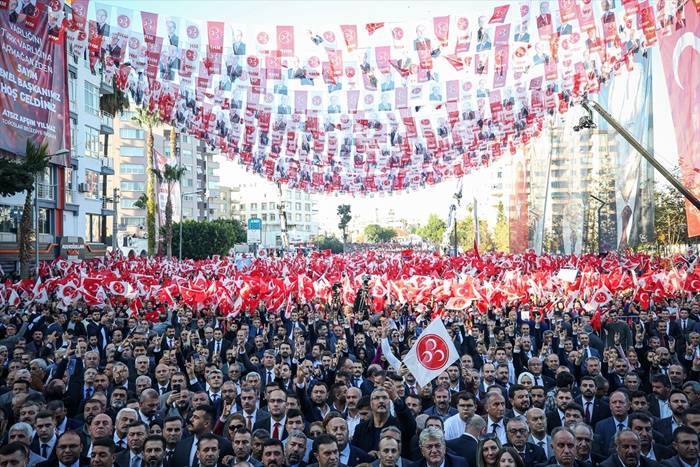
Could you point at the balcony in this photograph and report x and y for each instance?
(106, 123)
(45, 191)
(106, 86)
(107, 166)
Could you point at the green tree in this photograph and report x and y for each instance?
(465, 233)
(375, 233)
(345, 218)
(116, 102)
(144, 118)
(669, 221)
(202, 239)
(171, 175)
(501, 237)
(239, 231)
(19, 175)
(433, 230)
(329, 243)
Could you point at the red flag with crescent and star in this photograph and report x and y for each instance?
(680, 53)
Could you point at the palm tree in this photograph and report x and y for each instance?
(147, 119)
(171, 174)
(35, 163)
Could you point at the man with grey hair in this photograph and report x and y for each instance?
(564, 448)
(465, 445)
(628, 451)
(295, 448)
(142, 383)
(125, 417)
(434, 450)
(518, 432)
(22, 433)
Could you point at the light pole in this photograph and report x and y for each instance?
(182, 195)
(36, 224)
(602, 204)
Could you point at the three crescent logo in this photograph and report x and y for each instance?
(689, 39)
(432, 351)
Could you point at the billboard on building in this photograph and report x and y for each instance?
(33, 78)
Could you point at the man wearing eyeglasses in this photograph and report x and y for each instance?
(434, 451)
(517, 431)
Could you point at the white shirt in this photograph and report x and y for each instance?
(281, 426)
(500, 430)
(352, 423)
(193, 450)
(454, 427)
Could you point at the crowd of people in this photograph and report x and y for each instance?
(103, 385)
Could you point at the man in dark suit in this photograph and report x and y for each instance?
(135, 437)
(686, 444)
(325, 449)
(641, 424)
(208, 452)
(44, 442)
(465, 446)
(200, 423)
(434, 451)
(274, 421)
(659, 400)
(605, 429)
(518, 432)
(627, 452)
(219, 345)
(564, 448)
(68, 449)
(154, 452)
(349, 455)
(594, 409)
(678, 402)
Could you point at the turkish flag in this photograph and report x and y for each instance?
(680, 52)
(432, 353)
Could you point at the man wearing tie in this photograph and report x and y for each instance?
(605, 429)
(215, 380)
(537, 423)
(135, 437)
(275, 421)
(495, 405)
(594, 409)
(172, 432)
(44, 443)
(218, 346)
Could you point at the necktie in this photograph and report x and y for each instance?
(250, 422)
(169, 455)
(163, 389)
(276, 431)
(215, 398)
(588, 412)
(541, 444)
(538, 381)
(135, 461)
(44, 450)
(683, 326)
(494, 427)
(88, 393)
(269, 376)
(120, 444)
(620, 427)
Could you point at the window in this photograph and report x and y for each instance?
(132, 133)
(253, 206)
(127, 203)
(273, 217)
(307, 207)
(189, 183)
(264, 217)
(92, 142)
(92, 99)
(133, 169)
(137, 221)
(298, 194)
(307, 217)
(93, 227)
(73, 137)
(72, 87)
(133, 186)
(9, 218)
(92, 181)
(297, 217)
(127, 115)
(297, 206)
(131, 151)
(242, 208)
(45, 216)
(263, 206)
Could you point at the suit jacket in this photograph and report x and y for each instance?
(464, 446)
(662, 452)
(599, 409)
(674, 461)
(614, 461)
(358, 456)
(533, 454)
(263, 421)
(54, 462)
(225, 345)
(654, 406)
(122, 459)
(450, 461)
(605, 431)
(35, 447)
(553, 420)
(182, 451)
(665, 428)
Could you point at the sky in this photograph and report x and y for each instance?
(416, 205)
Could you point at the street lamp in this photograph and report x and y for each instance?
(182, 195)
(602, 204)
